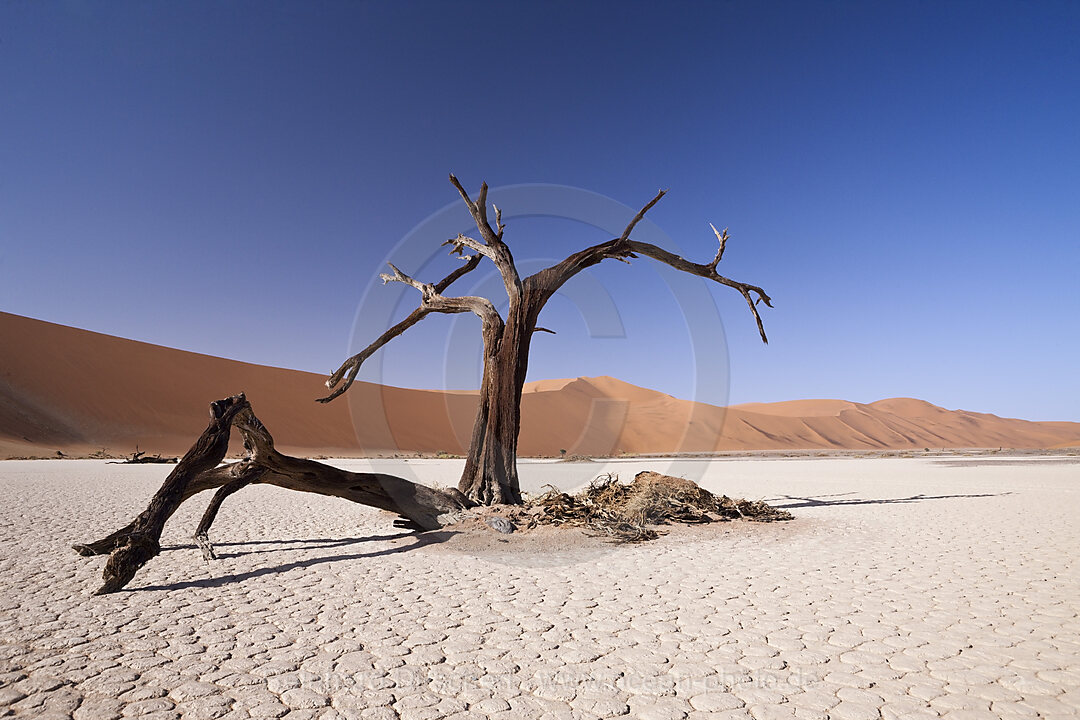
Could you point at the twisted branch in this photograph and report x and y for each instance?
(492, 247)
(351, 367)
(432, 301)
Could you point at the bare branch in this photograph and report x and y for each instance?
(497, 250)
(543, 329)
(723, 238)
(709, 273)
(548, 281)
(498, 220)
(351, 367)
(426, 289)
(450, 279)
(478, 210)
(641, 213)
(434, 302)
(481, 207)
(464, 241)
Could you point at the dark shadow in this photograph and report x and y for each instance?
(991, 461)
(309, 542)
(312, 546)
(805, 502)
(395, 536)
(419, 540)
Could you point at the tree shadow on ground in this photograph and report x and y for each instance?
(827, 501)
(419, 540)
(315, 543)
(394, 536)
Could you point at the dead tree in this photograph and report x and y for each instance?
(130, 548)
(490, 474)
(139, 457)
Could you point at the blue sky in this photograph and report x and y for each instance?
(903, 178)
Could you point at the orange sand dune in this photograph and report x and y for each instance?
(78, 391)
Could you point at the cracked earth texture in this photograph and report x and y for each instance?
(905, 588)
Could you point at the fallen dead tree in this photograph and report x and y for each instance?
(132, 546)
(625, 513)
(139, 457)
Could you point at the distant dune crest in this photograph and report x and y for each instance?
(77, 391)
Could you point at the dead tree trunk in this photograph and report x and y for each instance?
(133, 545)
(490, 474)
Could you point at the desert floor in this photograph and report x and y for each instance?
(905, 588)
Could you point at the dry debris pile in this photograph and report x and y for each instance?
(629, 513)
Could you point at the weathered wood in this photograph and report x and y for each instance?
(141, 543)
(202, 538)
(490, 473)
(344, 377)
(105, 545)
(427, 507)
(133, 545)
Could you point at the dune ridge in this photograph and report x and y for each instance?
(76, 391)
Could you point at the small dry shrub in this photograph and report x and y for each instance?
(629, 513)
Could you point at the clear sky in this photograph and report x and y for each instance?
(903, 178)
